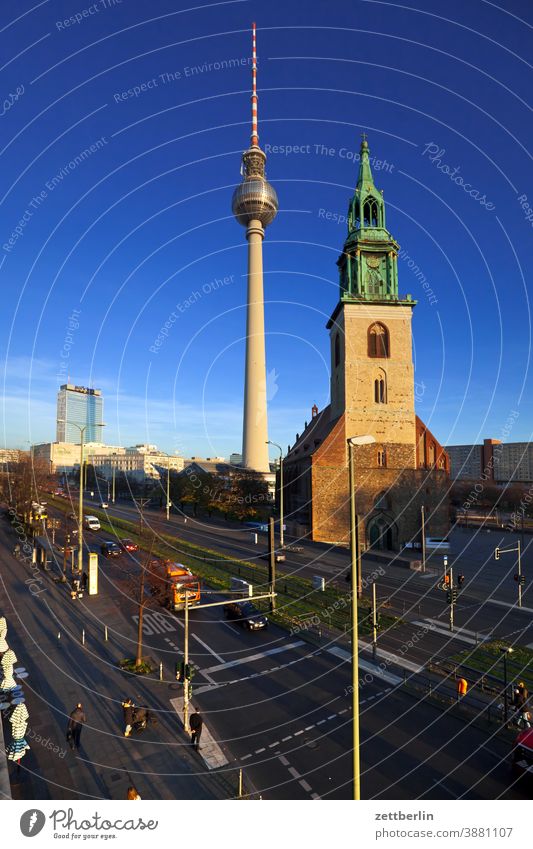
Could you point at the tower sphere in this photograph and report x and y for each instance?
(255, 200)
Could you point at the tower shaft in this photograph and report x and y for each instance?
(255, 426)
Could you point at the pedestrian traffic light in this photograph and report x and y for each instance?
(183, 671)
(446, 579)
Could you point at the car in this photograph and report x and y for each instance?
(294, 548)
(522, 756)
(91, 523)
(104, 505)
(438, 543)
(129, 545)
(279, 556)
(244, 613)
(110, 549)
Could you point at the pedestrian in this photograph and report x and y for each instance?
(132, 793)
(16, 551)
(75, 724)
(84, 581)
(521, 695)
(196, 724)
(127, 707)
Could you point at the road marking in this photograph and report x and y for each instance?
(459, 630)
(245, 757)
(443, 632)
(273, 745)
(258, 751)
(393, 658)
(209, 649)
(251, 657)
(510, 606)
(305, 785)
(283, 760)
(369, 667)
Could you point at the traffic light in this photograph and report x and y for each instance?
(520, 579)
(446, 579)
(451, 596)
(460, 580)
(183, 671)
(454, 596)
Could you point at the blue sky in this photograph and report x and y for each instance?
(104, 250)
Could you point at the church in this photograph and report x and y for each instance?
(372, 393)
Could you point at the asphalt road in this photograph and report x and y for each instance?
(279, 707)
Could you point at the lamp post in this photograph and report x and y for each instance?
(82, 429)
(505, 651)
(281, 537)
(354, 548)
(168, 487)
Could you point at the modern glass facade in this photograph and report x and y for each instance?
(77, 407)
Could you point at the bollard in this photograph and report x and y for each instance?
(83, 636)
(161, 671)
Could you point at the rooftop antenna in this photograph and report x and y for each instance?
(255, 135)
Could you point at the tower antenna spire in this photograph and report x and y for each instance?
(255, 135)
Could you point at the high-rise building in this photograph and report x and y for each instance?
(79, 407)
(255, 205)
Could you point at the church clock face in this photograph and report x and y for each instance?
(375, 274)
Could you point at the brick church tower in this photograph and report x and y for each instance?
(372, 392)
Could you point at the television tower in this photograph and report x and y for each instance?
(255, 205)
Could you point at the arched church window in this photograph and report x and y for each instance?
(378, 341)
(431, 454)
(380, 391)
(370, 213)
(337, 350)
(382, 500)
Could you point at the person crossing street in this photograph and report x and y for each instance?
(196, 724)
(75, 724)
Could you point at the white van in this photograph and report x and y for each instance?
(91, 523)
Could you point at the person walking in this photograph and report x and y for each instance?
(75, 724)
(127, 707)
(522, 695)
(84, 580)
(133, 794)
(196, 724)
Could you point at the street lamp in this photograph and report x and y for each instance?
(82, 429)
(354, 549)
(275, 444)
(506, 650)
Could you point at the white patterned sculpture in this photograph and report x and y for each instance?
(19, 723)
(3, 631)
(8, 682)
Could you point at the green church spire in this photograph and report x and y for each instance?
(368, 264)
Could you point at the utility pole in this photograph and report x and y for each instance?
(374, 623)
(113, 473)
(271, 563)
(186, 666)
(451, 598)
(423, 531)
(281, 534)
(141, 504)
(168, 488)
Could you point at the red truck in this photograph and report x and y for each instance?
(523, 753)
(173, 582)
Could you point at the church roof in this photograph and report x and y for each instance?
(313, 436)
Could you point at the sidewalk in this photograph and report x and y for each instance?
(63, 671)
